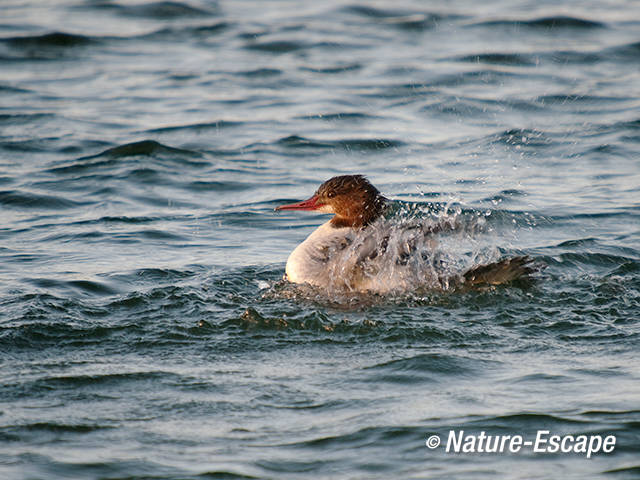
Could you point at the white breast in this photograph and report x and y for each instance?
(312, 260)
(381, 258)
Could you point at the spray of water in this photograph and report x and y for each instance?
(416, 247)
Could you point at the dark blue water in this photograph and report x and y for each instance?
(145, 332)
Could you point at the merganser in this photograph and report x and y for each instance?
(362, 249)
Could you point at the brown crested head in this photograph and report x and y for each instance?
(354, 201)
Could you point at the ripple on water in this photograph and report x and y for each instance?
(48, 47)
(215, 126)
(357, 144)
(175, 33)
(24, 118)
(500, 59)
(408, 20)
(147, 148)
(166, 10)
(55, 39)
(277, 46)
(423, 368)
(546, 23)
(20, 199)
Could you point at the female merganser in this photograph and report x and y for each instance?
(362, 249)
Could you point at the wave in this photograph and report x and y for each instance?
(174, 33)
(260, 73)
(24, 118)
(46, 47)
(421, 368)
(57, 45)
(337, 69)
(629, 51)
(11, 89)
(17, 431)
(145, 148)
(288, 46)
(632, 471)
(554, 22)
(499, 58)
(358, 144)
(401, 19)
(54, 39)
(155, 10)
(226, 475)
(130, 308)
(277, 46)
(341, 116)
(564, 22)
(83, 286)
(30, 200)
(218, 125)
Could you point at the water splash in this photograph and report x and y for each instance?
(415, 248)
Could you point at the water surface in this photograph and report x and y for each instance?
(144, 331)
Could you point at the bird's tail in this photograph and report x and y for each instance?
(498, 273)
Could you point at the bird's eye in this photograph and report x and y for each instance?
(331, 194)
